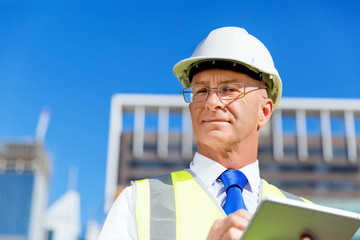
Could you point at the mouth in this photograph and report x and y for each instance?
(215, 121)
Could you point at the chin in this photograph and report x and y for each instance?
(213, 137)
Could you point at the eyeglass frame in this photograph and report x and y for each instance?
(218, 92)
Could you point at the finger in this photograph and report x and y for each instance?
(215, 230)
(244, 214)
(232, 234)
(239, 219)
(221, 226)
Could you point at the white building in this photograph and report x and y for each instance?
(63, 218)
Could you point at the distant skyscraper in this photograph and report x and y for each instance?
(24, 174)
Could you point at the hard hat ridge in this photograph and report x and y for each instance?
(233, 45)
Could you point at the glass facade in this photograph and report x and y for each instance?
(16, 190)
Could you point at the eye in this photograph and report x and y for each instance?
(199, 90)
(229, 89)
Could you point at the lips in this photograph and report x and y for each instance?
(215, 120)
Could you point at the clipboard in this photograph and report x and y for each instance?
(285, 219)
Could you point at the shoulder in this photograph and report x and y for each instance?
(121, 214)
(167, 178)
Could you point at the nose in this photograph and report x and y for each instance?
(214, 101)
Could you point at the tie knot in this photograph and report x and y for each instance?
(232, 178)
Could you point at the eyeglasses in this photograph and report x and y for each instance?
(226, 91)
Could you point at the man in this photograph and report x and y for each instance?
(232, 87)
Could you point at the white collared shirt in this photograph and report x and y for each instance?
(209, 171)
(121, 222)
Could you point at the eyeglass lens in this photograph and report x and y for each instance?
(227, 91)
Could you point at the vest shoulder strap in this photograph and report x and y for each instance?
(267, 189)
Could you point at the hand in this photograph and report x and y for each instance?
(230, 227)
(233, 226)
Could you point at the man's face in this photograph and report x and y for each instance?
(218, 121)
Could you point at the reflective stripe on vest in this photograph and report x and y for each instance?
(177, 206)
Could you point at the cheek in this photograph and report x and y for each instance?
(244, 114)
(194, 113)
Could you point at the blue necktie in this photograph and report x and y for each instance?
(234, 181)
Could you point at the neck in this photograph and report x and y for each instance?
(233, 156)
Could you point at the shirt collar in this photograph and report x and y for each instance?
(252, 173)
(208, 171)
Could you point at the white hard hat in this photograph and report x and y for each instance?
(234, 45)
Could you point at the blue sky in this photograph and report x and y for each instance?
(72, 56)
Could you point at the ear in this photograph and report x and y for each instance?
(266, 109)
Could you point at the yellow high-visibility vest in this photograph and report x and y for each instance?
(177, 206)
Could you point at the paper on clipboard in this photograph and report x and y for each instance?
(285, 219)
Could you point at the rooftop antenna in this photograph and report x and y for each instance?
(42, 125)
